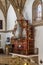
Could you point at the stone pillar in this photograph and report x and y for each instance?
(6, 10)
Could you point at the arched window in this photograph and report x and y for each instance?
(39, 12)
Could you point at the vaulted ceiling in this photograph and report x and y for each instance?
(4, 5)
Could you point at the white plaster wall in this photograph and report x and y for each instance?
(3, 40)
(38, 30)
(3, 19)
(27, 12)
(39, 41)
(2, 34)
(11, 18)
(9, 34)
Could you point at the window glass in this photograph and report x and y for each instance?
(39, 12)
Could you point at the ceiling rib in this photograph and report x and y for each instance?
(2, 7)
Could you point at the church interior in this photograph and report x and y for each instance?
(21, 32)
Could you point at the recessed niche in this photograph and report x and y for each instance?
(1, 24)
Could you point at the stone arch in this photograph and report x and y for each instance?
(36, 2)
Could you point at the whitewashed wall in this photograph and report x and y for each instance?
(39, 41)
(3, 19)
(38, 30)
(9, 34)
(11, 18)
(28, 10)
(3, 40)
